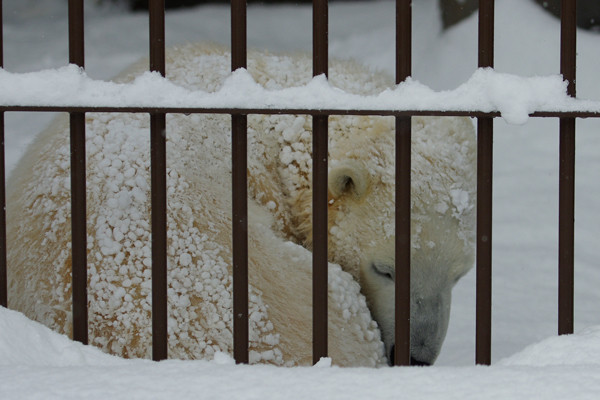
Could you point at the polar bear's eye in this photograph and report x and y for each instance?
(383, 270)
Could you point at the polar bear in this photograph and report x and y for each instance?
(361, 230)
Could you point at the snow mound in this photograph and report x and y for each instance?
(25, 342)
(577, 349)
(36, 362)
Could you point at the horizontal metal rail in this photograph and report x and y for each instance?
(290, 111)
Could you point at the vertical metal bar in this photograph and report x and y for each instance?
(78, 185)
(484, 241)
(403, 39)
(156, 10)
(158, 177)
(239, 161)
(566, 218)
(240, 238)
(568, 43)
(3, 277)
(486, 34)
(320, 37)
(403, 177)
(566, 226)
(1, 37)
(320, 153)
(76, 42)
(78, 228)
(3, 272)
(320, 139)
(485, 129)
(238, 34)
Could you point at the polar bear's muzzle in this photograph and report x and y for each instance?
(429, 316)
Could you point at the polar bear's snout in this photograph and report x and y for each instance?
(430, 310)
(429, 324)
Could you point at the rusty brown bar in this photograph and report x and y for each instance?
(568, 43)
(239, 161)
(3, 278)
(320, 143)
(240, 238)
(238, 34)
(78, 185)
(76, 42)
(158, 177)
(1, 37)
(566, 199)
(403, 39)
(289, 111)
(401, 354)
(485, 130)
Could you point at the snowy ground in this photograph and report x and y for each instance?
(36, 363)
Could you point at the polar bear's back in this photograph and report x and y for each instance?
(205, 66)
(199, 232)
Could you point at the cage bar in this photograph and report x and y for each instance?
(158, 178)
(566, 196)
(3, 272)
(78, 185)
(240, 238)
(401, 350)
(3, 275)
(1, 37)
(485, 129)
(319, 203)
(239, 161)
(484, 241)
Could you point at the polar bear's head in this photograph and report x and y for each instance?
(361, 218)
(437, 263)
(434, 272)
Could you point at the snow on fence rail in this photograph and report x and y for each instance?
(541, 97)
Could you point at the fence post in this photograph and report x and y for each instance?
(3, 274)
(566, 199)
(158, 177)
(485, 130)
(401, 350)
(239, 180)
(78, 185)
(319, 165)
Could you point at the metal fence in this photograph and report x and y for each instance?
(320, 118)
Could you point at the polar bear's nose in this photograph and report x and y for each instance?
(413, 361)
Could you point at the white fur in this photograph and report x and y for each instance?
(198, 152)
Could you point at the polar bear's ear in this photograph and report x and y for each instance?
(349, 177)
